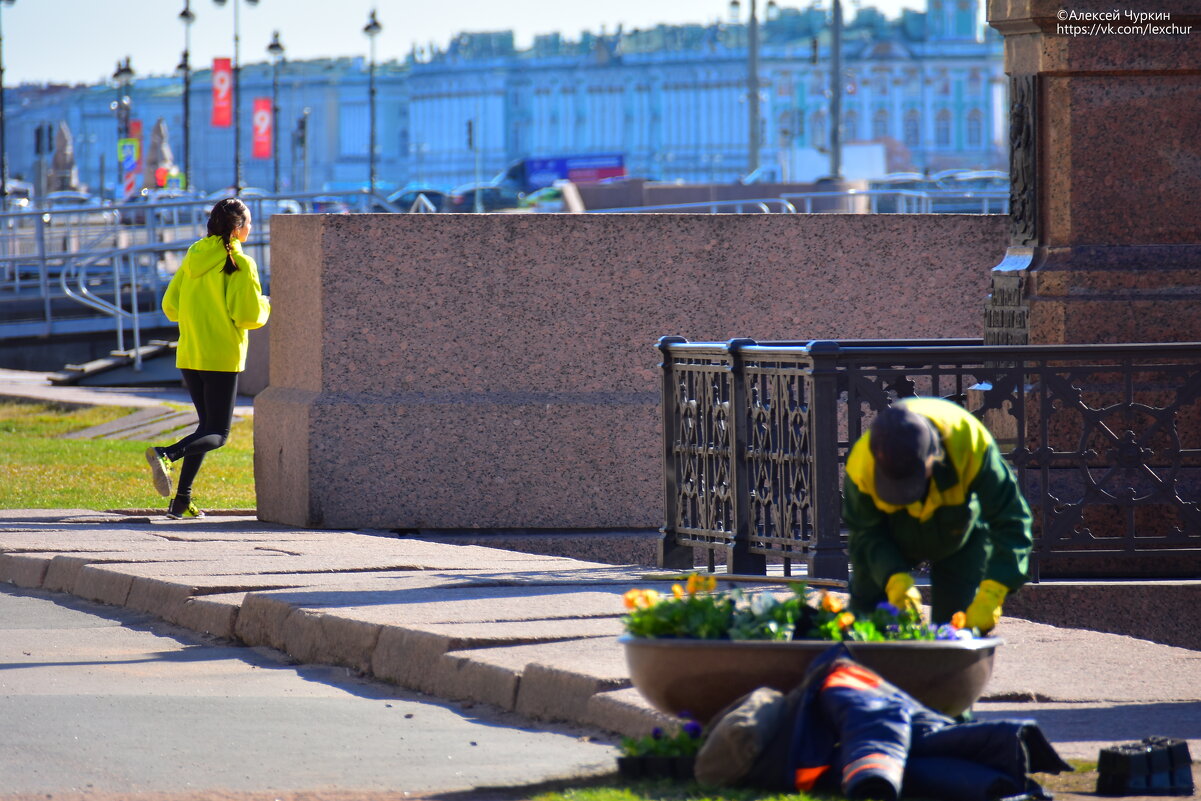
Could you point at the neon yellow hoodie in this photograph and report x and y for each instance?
(213, 309)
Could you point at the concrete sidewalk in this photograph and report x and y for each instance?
(526, 633)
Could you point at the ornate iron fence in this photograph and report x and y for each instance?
(1105, 439)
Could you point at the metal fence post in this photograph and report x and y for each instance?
(43, 268)
(739, 558)
(671, 554)
(829, 557)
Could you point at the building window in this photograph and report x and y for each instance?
(850, 126)
(975, 128)
(817, 130)
(913, 129)
(353, 124)
(942, 128)
(880, 124)
(975, 83)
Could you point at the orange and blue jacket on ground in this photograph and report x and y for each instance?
(215, 309)
(855, 734)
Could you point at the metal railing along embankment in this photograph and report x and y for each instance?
(91, 269)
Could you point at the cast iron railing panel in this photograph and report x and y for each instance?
(1105, 440)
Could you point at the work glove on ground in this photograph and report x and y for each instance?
(985, 610)
(902, 594)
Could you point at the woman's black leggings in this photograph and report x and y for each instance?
(214, 395)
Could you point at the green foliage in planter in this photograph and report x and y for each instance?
(699, 611)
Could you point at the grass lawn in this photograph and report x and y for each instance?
(39, 470)
(1066, 787)
(665, 790)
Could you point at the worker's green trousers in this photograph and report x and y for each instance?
(953, 580)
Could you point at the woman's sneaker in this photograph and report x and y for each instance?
(160, 470)
(178, 509)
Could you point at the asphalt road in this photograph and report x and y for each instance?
(99, 702)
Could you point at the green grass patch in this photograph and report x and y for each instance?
(40, 470)
(1084, 780)
(665, 790)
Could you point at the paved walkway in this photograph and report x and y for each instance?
(36, 386)
(527, 633)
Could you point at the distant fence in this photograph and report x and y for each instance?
(91, 268)
(1105, 439)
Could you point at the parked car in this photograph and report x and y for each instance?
(493, 197)
(20, 195)
(133, 210)
(406, 199)
(548, 199)
(329, 204)
(262, 204)
(76, 208)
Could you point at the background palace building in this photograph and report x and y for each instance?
(927, 91)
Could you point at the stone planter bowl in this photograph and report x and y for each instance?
(700, 677)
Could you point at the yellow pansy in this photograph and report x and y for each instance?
(831, 603)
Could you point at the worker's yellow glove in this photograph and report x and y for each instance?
(985, 610)
(902, 594)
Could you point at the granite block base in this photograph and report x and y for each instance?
(483, 461)
(484, 371)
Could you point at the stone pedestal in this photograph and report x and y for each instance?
(1105, 241)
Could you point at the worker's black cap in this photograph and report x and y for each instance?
(901, 442)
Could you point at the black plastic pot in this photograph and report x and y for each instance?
(679, 768)
(1154, 766)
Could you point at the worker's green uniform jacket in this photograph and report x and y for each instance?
(972, 499)
(215, 309)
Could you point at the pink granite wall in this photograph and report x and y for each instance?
(499, 371)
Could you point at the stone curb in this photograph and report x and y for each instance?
(522, 674)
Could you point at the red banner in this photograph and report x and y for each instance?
(135, 132)
(223, 93)
(262, 128)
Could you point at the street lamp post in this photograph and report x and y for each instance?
(186, 17)
(836, 88)
(237, 93)
(372, 29)
(754, 134)
(276, 51)
(122, 77)
(3, 118)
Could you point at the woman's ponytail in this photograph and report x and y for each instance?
(227, 216)
(231, 266)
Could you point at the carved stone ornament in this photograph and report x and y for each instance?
(1023, 97)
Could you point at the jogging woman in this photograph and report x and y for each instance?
(215, 297)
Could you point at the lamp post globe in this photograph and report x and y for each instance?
(185, 70)
(276, 50)
(372, 29)
(122, 77)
